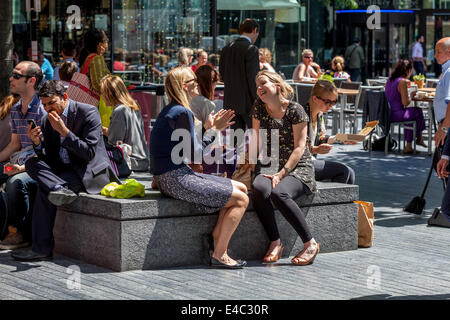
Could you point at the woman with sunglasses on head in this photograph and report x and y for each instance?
(323, 98)
(293, 174)
(177, 180)
(307, 68)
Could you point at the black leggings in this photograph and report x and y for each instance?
(282, 197)
(334, 171)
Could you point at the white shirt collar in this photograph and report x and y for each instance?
(245, 37)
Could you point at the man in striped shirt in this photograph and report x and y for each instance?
(20, 188)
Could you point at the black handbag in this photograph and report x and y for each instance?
(117, 160)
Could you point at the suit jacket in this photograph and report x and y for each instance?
(239, 64)
(84, 144)
(446, 150)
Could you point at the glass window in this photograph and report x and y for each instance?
(58, 21)
(148, 35)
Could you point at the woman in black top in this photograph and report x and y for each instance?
(292, 174)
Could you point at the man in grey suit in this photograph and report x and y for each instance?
(71, 157)
(239, 64)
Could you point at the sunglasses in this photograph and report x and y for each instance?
(308, 57)
(329, 103)
(193, 79)
(17, 76)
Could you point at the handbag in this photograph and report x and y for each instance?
(243, 173)
(365, 224)
(117, 159)
(80, 87)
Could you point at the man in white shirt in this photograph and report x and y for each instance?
(417, 56)
(442, 113)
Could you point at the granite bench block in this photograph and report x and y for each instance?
(168, 242)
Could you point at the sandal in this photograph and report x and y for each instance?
(273, 256)
(303, 262)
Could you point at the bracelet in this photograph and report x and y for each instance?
(288, 170)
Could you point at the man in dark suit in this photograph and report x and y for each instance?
(71, 157)
(239, 64)
(441, 217)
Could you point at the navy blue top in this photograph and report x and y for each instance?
(172, 117)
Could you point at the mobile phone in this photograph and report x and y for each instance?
(33, 123)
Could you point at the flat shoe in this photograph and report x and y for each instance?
(303, 262)
(219, 264)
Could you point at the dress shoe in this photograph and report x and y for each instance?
(273, 256)
(62, 196)
(303, 262)
(30, 255)
(218, 264)
(438, 219)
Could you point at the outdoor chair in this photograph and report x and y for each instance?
(338, 81)
(431, 83)
(351, 110)
(303, 92)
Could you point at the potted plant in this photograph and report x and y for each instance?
(419, 79)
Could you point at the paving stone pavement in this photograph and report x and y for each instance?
(408, 260)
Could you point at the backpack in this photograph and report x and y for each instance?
(347, 59)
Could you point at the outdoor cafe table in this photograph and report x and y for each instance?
(430, 107)
(343, 93)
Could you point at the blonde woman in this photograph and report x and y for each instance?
(177, 180)
(307, 68)
(185, 57)
(265, 58)
(323, 98)
(126, 121)
(293, 175)
(337, 69)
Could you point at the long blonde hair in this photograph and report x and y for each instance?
(286, 90)
(115, 92)
(173, 85)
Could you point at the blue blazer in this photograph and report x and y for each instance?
(84, 144)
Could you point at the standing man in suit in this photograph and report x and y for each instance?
(71, 157)
(442, 115)
(239, 64)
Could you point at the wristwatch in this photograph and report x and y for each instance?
(445, 129)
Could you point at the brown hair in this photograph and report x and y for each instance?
(322, 86)
(286, 90)
(338, 63)
(6, 105)
(114, 90)
(401, 69)
(248, 25)
(204, 80)
(66, 71)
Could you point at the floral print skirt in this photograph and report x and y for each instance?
(207, 192)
